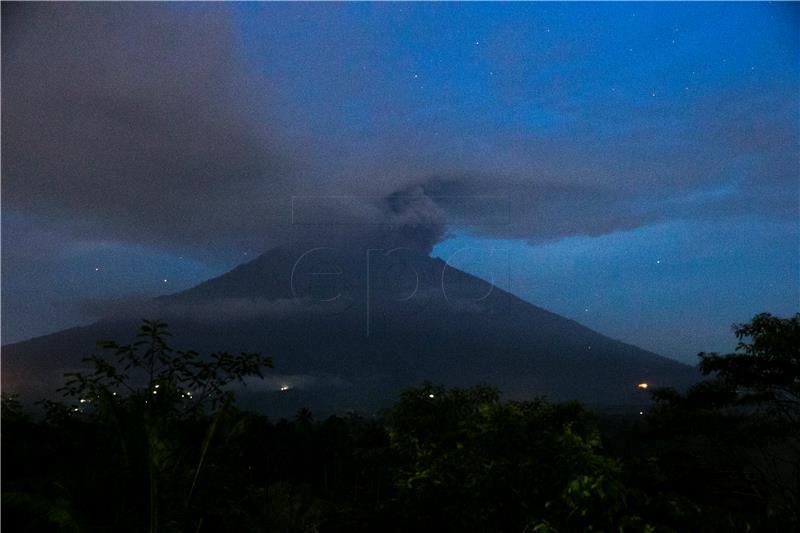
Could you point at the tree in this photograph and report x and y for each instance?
(468, 461)
(141, 394)
(746, 416)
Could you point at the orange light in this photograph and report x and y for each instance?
(643, 385)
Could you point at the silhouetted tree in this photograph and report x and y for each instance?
(745, 418)
(142, 394)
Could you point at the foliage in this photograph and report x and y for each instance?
(472, 461)
(745, 418)
(140, 453)
(153, 412)
(172, 383)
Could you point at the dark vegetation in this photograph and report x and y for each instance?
(151, 440)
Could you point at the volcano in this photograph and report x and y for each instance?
(348, 331)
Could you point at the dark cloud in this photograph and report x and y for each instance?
(137, 121)
(141, 124)
(144, 123)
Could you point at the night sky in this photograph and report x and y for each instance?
(633, 167)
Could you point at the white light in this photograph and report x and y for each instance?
(641, 412)
(431, 395)
(155, 392)
(284, 387)
(157, 386)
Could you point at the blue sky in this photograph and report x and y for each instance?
(648, 152)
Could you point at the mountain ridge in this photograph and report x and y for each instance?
(357, 329)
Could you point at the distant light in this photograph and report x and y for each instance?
(284, 387)
(155, 392)
(641, 412)
(643, 385)
(84, 400)
(113, 394)
(165, 281)
(431, 395)
(157, 386)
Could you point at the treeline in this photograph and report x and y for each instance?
(150, 440)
